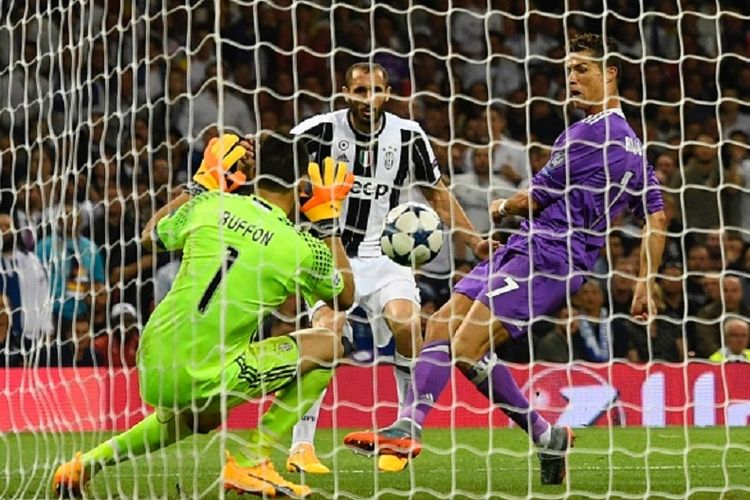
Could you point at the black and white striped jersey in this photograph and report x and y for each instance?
(384, 163)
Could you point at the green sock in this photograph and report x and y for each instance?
(290, 405)
(158, 430)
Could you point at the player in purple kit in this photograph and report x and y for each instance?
(596, 171)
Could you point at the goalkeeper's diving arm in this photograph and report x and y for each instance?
(345, 299)
(149, 232)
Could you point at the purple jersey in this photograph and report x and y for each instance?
(596, 171)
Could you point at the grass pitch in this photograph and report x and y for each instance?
(486, 463)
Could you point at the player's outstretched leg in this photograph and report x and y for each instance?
(402, 439)
(248, 468)
(432, 372)
(302, 457)
(493, 379)
(401, 316)
(161, 428)
(553, 457)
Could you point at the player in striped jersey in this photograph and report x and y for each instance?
(387, 154)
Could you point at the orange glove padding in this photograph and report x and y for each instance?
(218, 169)
(329, 189)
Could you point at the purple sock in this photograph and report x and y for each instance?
(506, 394)
(431, 373)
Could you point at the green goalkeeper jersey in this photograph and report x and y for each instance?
(242, 257)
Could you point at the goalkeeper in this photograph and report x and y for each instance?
(242, 258)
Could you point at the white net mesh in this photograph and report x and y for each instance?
(105, 108)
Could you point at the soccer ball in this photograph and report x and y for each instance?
(412, 234)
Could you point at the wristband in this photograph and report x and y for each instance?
(327, 228)
(502, 212)
(195, 189)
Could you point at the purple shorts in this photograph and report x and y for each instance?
(513, 292)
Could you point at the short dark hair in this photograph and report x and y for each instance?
(280, 161)
(604, 49)
(367, 67)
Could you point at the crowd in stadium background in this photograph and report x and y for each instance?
(111, 123)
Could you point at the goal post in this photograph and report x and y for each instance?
(105, 110)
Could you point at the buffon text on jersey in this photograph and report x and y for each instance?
(240, 225)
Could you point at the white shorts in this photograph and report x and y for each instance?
(378, 280)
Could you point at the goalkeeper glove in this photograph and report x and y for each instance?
(218, 169)
(329, 189)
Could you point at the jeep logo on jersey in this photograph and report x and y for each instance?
(365, 187)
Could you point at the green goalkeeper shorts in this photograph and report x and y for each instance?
(264, 368)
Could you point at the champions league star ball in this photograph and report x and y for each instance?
(412, 234)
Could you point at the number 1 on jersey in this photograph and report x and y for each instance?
(510, 285)
(232, 254)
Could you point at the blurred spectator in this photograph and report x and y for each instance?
(701, 193)
(506, 75)
(391, 53)
(660, 31)
(468, 27)
(24, 94)
(508, 156)
(594, 322)
(609, 256)
(29, 213)
(541, 40)
(475, 190)
(74, 265)
(736, 159)
(733, 247)
(697, 266)
(668, 334)
(128, 267)
(205, 110)
(8, 174)
(672, 310)
(708, 331)
(118, 346)
(666, 169)
(621, 288)
(732, 117)
(203, 58)
(736, 343)
(9, 354)
(26, 290)
(733, 155)
(555, 346)
(311, 99)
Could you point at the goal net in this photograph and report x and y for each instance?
(106, 108)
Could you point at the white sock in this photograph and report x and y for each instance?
(402, 371)
(304, 431)
(545, 437)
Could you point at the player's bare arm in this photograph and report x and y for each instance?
(520, 204)
(449, 209)
(147, 237)
(345, 299)
(652, 250)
